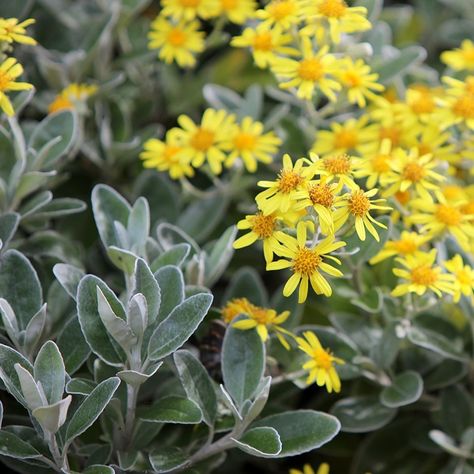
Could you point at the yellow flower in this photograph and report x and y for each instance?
(178, 42)
(306, 263)
(419, 104)
(189, 9)
(360, 83)
(203, 142)
(262, 228)
(408, 244)
(358, 205)
(10, 69)
(411, 171)
(164, 156)
(248, 142)
(321, 364)
(442, 218)
(338, 166)
(237, 11)
(335, 14)
(433, 141)
(72, 97)
(265, 319)
(11, 30)
(234, 307)
(464, 277)
(345, 137)
(281, 193)
(422, 275)
(312, 71)
(265, 44)
(284, 13)
(460, 58)
(307, 469)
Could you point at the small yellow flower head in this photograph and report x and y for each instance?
(235, 307)
(74, 96)
(204, 142)
(461, 58)
(189, 9)
(237, 11)
(339, 167)
(358, 205)
(248, 142)
(422, 275)
(306, 263)
(307, 469)
(457, 107)
(312, 71)
(13, 31)
(321, 364)
(178, 42)
(282, 13)
(464, 278)
(10, 69)
(165, 156)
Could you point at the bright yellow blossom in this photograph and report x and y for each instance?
(189, 9)
(234, 307)
(338, 167)
(13, 31)
(237, 11)
(321, 364)
(307, 469)
(10, 69)
(358, 205)
(457, 106)
(71, 97)
(248, 142)
(464, 278)
(312, 71)
(284, 13)
(203, 142)
(460, 58)
(437, 143)
(306, 263)
(422, 275)
(178, 42)
(419, 104)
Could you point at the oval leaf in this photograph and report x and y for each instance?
(406, 388)
(261, 442)
(173, 410)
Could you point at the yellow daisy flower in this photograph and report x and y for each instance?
(422, 275)
(265, 44)
(234, 307)
(437, 143)
(419, 104)
(13, 31)
(460, 58)
(307, 469)
(262, 228)
(203, 142)
(336, 15)
(189, 9)
(283, 191)
(464, 277)
(345, 137)
(165, 156)
(338, 167)
(263, 320)
(237, 11)
(358, 80)
(321, 364)
(312, 71)
(358, 205)
(408, 244)
(178, 42)
(306, 263)
(248, 142)
(10, 69)
(284, 13)
(454, 194)
(411, 171)
(72, 97)
(443, 218)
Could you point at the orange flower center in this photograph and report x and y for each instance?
(381, 164)
(448, 215)
(60, 103)
(202, 139)
(333, 8)
(392, 133)
(352, 79)
(321, 194)
(190, 3)
(263, 41)
(288, 181)
(306, 261)
(346, 139)
(282, 9)
(359, 203)
(228, 4)
(423, 104)
(413, 172)
(405, 246)
(235, 307)
(424, 275)
(170, 152)
(464, 277)
(310, 69)
(263, 226)
(176, 37)
(464, 106)
(338, 164)
(245, 141)
(263, 315)
(5, 80)
(424, 149)
(402, 197)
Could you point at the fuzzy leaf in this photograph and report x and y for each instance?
(175, 255)
(261, 442)
(146, 284)
(49, 370)
(69, 277)
(73, 346)
(406, 388)
(13, 446)
(52, 417)
(171, 283)
(173, 410)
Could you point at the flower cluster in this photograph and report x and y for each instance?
(12, 31)
(218, 141)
